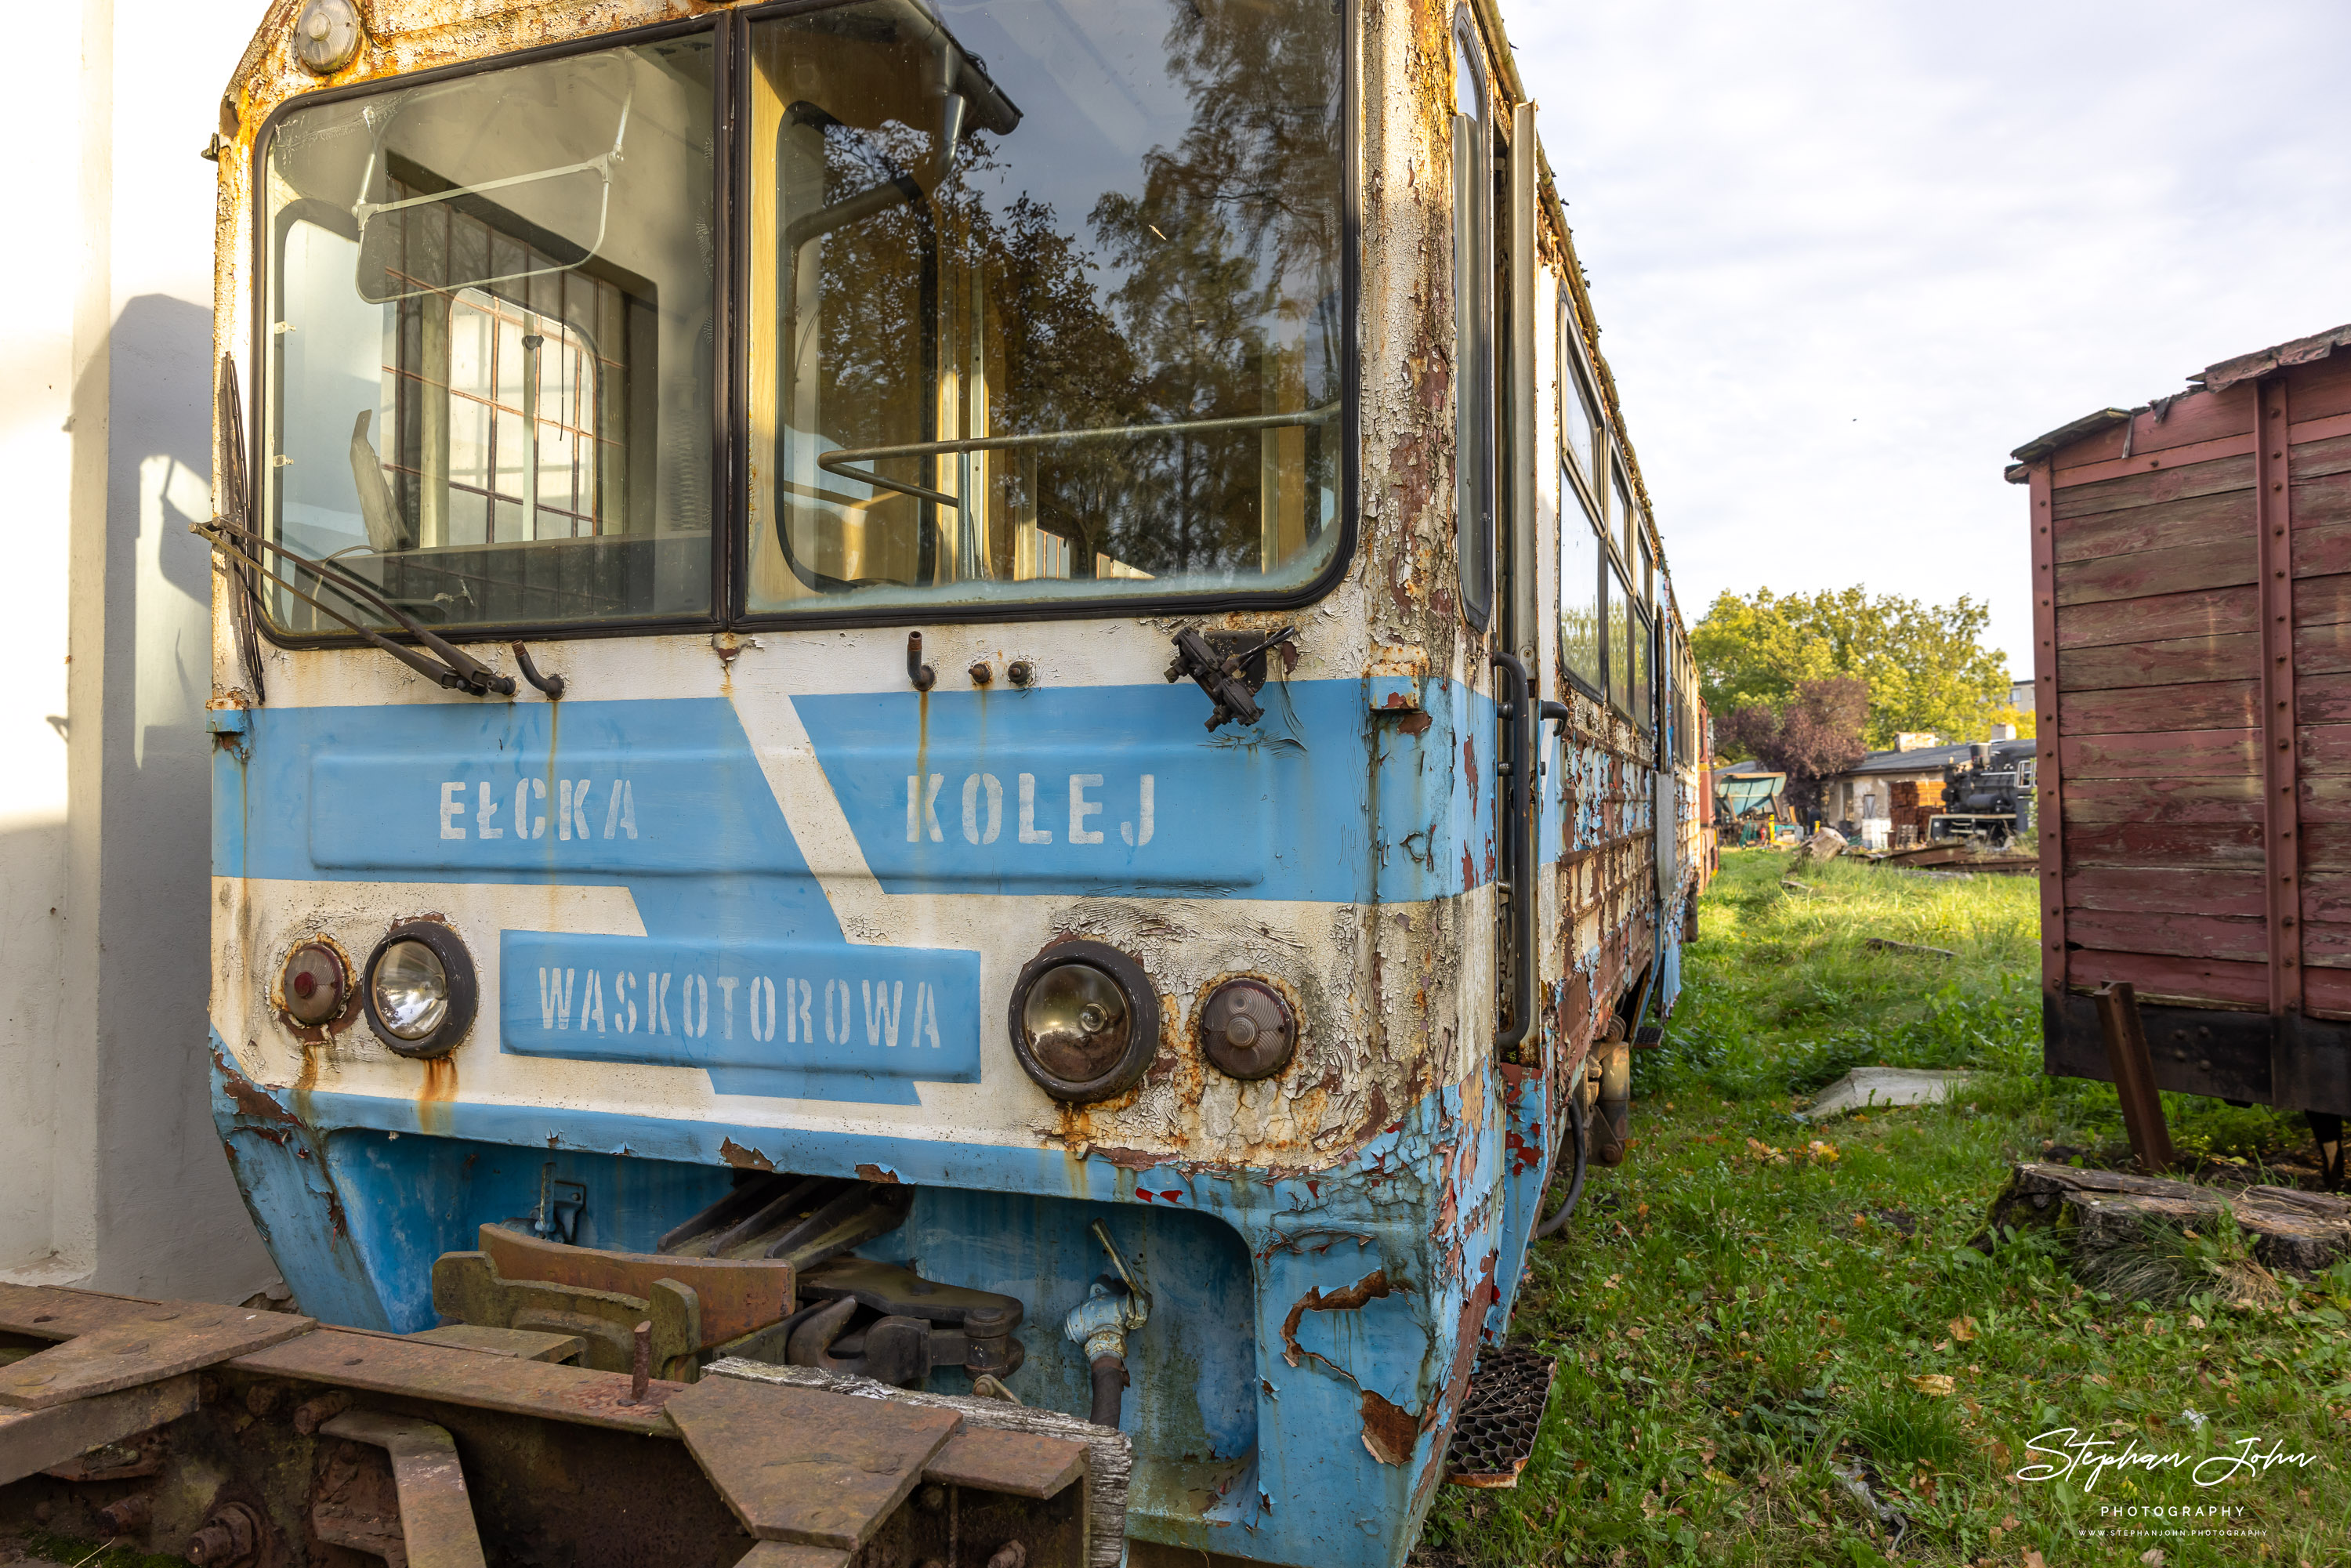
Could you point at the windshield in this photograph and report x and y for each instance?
(488, 344)
(1044, 300)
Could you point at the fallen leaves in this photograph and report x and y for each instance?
(1935, 1383)
(1963, 1329)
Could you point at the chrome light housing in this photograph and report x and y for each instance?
(421, 989)
(1085, 1020)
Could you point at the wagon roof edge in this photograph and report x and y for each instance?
(2218, 376)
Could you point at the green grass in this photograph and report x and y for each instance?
(1739, 1315)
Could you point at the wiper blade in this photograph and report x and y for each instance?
(233, 489)
(449, 666)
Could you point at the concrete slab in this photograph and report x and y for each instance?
(1866, 1086)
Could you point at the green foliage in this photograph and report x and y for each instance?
(1739, 1332)
(1927, 667)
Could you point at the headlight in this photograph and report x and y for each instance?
(420, 989)
(1085, 1020)
(315, 986)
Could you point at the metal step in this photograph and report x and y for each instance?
(1500, 1413)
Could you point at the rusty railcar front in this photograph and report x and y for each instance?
(2191, 593)
(1009, 653)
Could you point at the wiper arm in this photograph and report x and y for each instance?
(450, 666)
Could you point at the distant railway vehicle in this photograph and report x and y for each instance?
(974, 695)
(2192, 567)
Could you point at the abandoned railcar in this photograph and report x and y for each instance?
(2191, 566)
(1010, 654)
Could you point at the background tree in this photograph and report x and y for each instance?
(1926, 666)
(1817, 734)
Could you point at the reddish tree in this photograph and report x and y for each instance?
(1818, 735)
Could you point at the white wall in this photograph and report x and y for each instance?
(110, 1173)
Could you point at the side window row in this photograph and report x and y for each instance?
(1607, 576)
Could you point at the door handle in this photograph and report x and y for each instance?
(1516, 770)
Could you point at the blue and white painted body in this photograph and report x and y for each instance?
(764, 909)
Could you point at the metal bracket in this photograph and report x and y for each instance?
(1230, 667)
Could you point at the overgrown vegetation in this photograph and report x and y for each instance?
(1776, 1346)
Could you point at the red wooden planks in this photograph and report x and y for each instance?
(2322, 492)
(2170, 890)
(2327, 993)
(2163, 978)
(2325, 846)
(2084, 499)
(2199, 416)
(2199, 704)
(2140, 845)
(2327, 797)
(2322, 389)
(2179, 753)
(2320, 601)
(2327, 896)
(2326, 749)
(2220, 563)
(2327, 944)
(2244, 939)
(2162, 525)
(2322, 650)
(2322, 551)
(2311, 459)
(2159, 798)
(2232, 656)
(2205, 612)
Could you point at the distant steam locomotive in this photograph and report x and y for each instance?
(1987, 797)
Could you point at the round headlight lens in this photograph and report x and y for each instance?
(1085, 1020)
(1076, 1019)
(411, 989)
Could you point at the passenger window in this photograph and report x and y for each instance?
(1628, 526)
(1580, 555)
(1070, 327)
(1620, 641)
(1579, 416)
(1644, 706)
(1473, 332)
(488, 357)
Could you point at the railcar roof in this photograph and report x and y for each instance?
(2213, 378)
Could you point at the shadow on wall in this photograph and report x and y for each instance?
(167, 1217)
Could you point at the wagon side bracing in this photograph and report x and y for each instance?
(962, 701)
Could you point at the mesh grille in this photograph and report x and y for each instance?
(1500, 1415)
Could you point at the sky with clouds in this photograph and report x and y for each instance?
(1845, 257)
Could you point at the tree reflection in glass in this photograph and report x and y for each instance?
(1045, 293)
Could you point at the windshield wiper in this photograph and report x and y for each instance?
(231, 534)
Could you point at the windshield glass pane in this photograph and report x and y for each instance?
(487, 352)
(1044, 300)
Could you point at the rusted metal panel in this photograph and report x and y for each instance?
(36, 1439)
(109, 1348)
(855, 1460)
(436, 1516)
(388, 1364)
(736, 1295)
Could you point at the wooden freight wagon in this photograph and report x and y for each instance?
(2191, 565)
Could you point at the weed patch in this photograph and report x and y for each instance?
(1772, 1353)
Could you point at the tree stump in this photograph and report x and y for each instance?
(2288, 1230)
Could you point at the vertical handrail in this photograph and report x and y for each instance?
(1517, 772)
